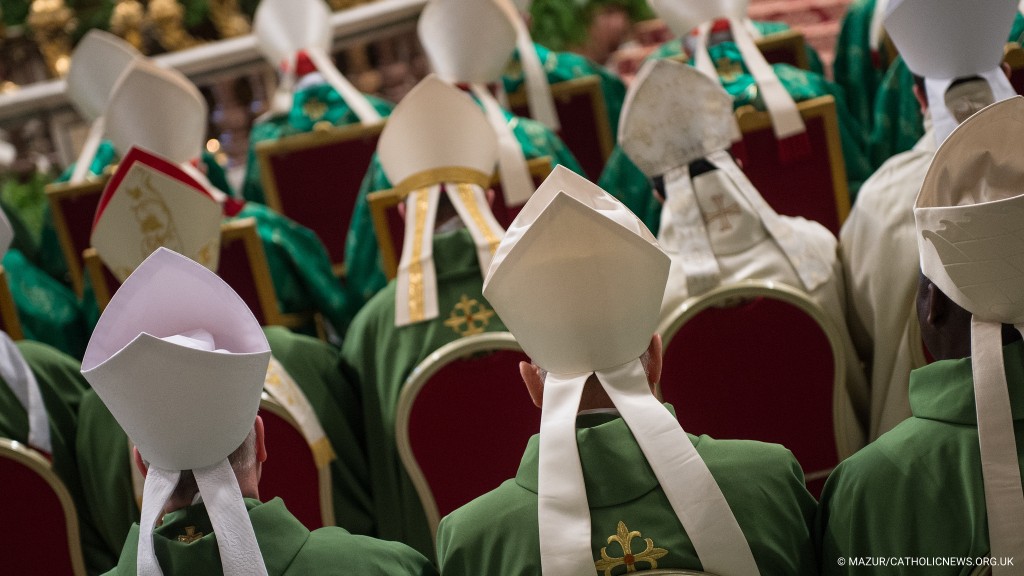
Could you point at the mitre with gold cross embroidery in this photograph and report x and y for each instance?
(672, 116)
(437, 141)
(578, 279)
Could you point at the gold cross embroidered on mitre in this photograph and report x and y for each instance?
(469, 317)
(625, 538)
(190, 535)
(722, 212)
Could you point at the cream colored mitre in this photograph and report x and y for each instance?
(176, 345)
(437, 140)
(943, 40)
(969, 217)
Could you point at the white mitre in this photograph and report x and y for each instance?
(179, 360)
(944, 40)
(578, 279)
(683, 16)
(471, 41)
(151, 203)
(672, 116)
(285, 27)
(437, 140)
(970, 223)
(97, 63)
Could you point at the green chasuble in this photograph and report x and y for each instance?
(364, 276)
(897, 124)
(310, 106)
(625, 181)
(381, 356)
(917, 490)
(186, 544)
(856, 68)
(104, 450)
(633, 525)
(562, 66)
(62, 386)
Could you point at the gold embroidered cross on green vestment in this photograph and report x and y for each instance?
(625, 537)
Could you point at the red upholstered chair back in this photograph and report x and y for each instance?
(73, 208)
(390, 228)
(813, 186)
(9, 321)
(1014, 58)
(757, 361)
(583, 114)
(314, 179)
(463, 420)
(290, 471)
(39, 527)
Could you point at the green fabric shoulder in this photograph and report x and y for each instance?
(856, 68)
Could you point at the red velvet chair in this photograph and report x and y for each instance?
(813, 186)
(73, 209)
(243, 265)
(39, 527)
(9, 321)
(314, 179)
(390, 228)
(759, 361)
(463, 420)
(583, 114)
(1014, 58)
(290, 471)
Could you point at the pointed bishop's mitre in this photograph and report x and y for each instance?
(467, 40)
(284, 27)
(573, 314)
(158, 110)
(682, 16)
(97, 62)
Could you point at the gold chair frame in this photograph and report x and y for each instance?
(243, 230)
(383, 200)
(37, 464)
(727, 295)
(791, 39)
(1013, 56)
(323, 473)
(55, 194)
(319, 136)
(8, 311)
(461, 348)
(564, 91)
(751, 119)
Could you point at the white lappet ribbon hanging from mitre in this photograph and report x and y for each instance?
(437, 140)
(180, 360)
(686, 16)
(283, 28)
(944, 40)
(97, 63)
(470, 43)
(17, 373)
(578, 280)
(969, 217)
(672, 116)
(535, 78)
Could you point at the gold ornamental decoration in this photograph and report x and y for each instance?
(52, 24)
(228, 19)
(126, 21)
(166, 21)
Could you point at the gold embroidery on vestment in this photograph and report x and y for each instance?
(625, 537)
(469, 317)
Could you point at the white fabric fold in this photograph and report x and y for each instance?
(516, 182)
(470, 201)
(1004, 495)
(538, 91)
(88, 152)
(416, 282)
(355, 99)
(684, 235)
(281, 99)
(942, 117)
(20, 379)
(159, 486)
(810, 264)
(283, 388)
(876, 29)
(240, 554)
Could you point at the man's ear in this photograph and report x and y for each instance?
(489, 194)
(937, 308)
(922, 100)
(655, 357)
(139, 463)
(261, 446)
(534, 382)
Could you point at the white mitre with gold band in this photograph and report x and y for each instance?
(944, 40)
(179, 360)
(16, 373)
(437, 140)
(683, 16)
(283, 28)
(535, 78)
(578, 280)
(97, 63)
(970, 223)
(672, 116)
(471, 43)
